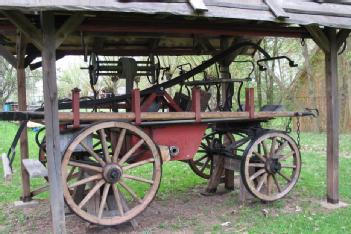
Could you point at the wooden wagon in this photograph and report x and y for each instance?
(112, 161)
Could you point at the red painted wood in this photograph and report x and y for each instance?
(196, 103)
(75, 107)
(187, 137)
(136, 105)
(171, 102)
(250, 102)
(148, 102)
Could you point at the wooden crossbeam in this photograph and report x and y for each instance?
(198, 5)
(8, 56)
(25, 26)
(319, 37)
(68, 27)
(341, 36)
(276, 9)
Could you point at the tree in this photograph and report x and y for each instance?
(8, 81)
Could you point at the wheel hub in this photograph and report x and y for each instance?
(273, 165)
(112, 173)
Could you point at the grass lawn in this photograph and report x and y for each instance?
(178, 179)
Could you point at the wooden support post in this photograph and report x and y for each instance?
(333, 110)
(136, 105)
(22, 106)
(250, 102)
(75, 107)
(196, 103)
(52, 123)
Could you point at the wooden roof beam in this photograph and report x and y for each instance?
(319, 37)
(25, 26)
(276, 9)
(68, 27)
(198, 5)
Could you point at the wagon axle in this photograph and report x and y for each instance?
(273, 165)
(112, 173)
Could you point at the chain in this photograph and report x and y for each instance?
(298, 133)
(288, 126)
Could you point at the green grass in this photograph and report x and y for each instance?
(178, 178)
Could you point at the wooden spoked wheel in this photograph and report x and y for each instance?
(202, 163)
(271, 166)
(119, 173)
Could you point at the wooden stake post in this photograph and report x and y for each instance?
(22, 106)
(52, 123)
(333, 112)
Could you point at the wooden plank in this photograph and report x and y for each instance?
(52, 123)
(342, 36)
(198, 5)
(22, 106)
(68, 27)
(319, 37)
(276, 9)
(6, 167)
(25, 26)
(35, 168)
(4, 52)
(333, 109)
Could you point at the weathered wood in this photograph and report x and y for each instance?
(6, 167)
(35, 168)
(52, 123)
(25, 26)
(217, 173)
(198, 5)
(276, 9)
(22, 106)
(68, 27)
(333, 110)
(319, 37)
(4, 52)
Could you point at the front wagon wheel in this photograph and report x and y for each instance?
(271, 166)
(118, 170)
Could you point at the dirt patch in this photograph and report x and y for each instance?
(190, 212)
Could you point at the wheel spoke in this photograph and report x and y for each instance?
(86, 180)
(137, 164)
(104, 145)
(263, 178)
(131, 177)
(287, 156)
(281, 147)
(70, 173)
(274, 143)
(288, 166)
(126, 187)
(201, 158)
(118, 200)
(276, 183)
(265, 148)
(284, 176)
(92, 153)
(91, 193)
(260, 165)
(260, 156)
(257, 174)
(269, 184)
(85, 166)
(103, 199)
(131, 151)
(205, 165)
(119, 145)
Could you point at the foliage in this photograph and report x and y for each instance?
(7, 80)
